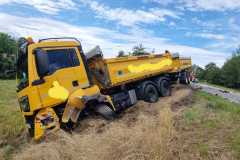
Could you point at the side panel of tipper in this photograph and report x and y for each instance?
(181, 63)
(127, 69)
(117, 71)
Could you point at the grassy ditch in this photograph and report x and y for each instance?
(209, 129)
(11, 120)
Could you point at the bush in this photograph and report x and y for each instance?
(213, 74)
(231, 72)
(8, 50)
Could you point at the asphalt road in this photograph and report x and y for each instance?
(229, 95)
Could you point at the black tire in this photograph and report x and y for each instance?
(68, 127)
(30, 122)
(150, 93)
(184, 78)
(105, 111)
(164, 87)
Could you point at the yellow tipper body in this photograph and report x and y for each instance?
(180, 64)
(118, 71)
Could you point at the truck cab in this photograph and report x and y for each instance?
(51, 73)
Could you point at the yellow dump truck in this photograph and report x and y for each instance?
(57, 83)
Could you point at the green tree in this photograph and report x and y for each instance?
(121, 54)
(139, 50)
(8, 50)
(199, 72)
(237, 52)
(213, 74)
(231, 70)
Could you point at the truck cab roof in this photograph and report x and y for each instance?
(55, 42)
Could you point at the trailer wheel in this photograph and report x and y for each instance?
(150, 93)
(105, 111)
(164, 87)
(184, 78)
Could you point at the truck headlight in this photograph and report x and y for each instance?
(24, 104)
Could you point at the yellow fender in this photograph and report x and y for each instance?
(45, 120)
(76, 102)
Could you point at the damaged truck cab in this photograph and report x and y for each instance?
(53, 84)
(56, 82)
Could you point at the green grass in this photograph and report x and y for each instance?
(203, 149)
(214, 120)
(11, 120)
(235, 142)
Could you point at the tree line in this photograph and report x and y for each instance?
(137, 50)
(8, 51)
(228, 75)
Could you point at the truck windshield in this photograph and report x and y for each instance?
(22, 68)
(61, 58)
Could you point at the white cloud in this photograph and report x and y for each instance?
(211, 36)
(208, 24)
(172, 24)
(110, 41)
(234, 25)
(211, 5)
(129, 17)
(45, 6)
(161, 2)
(196, 5)
(206, 35)
(232, 39)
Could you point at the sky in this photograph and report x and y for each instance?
(205, 30)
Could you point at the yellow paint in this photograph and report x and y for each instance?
(58, 92)
(75, 103)
(40, 129)
(149, 66)
(35, 93)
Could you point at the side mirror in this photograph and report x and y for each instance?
(41, 62)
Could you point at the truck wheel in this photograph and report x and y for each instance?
(184, 78)
(164, 88)
(30, 123)
(150, 93)
(105, 111)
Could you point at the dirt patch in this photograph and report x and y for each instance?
(183, 102)
(1, 154)
(143, 131)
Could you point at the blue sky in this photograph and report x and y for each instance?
(206, 30)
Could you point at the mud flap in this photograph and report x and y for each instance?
(76, 104)
(70, 113)
(73, 109)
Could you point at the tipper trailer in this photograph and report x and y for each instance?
(57, 82)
